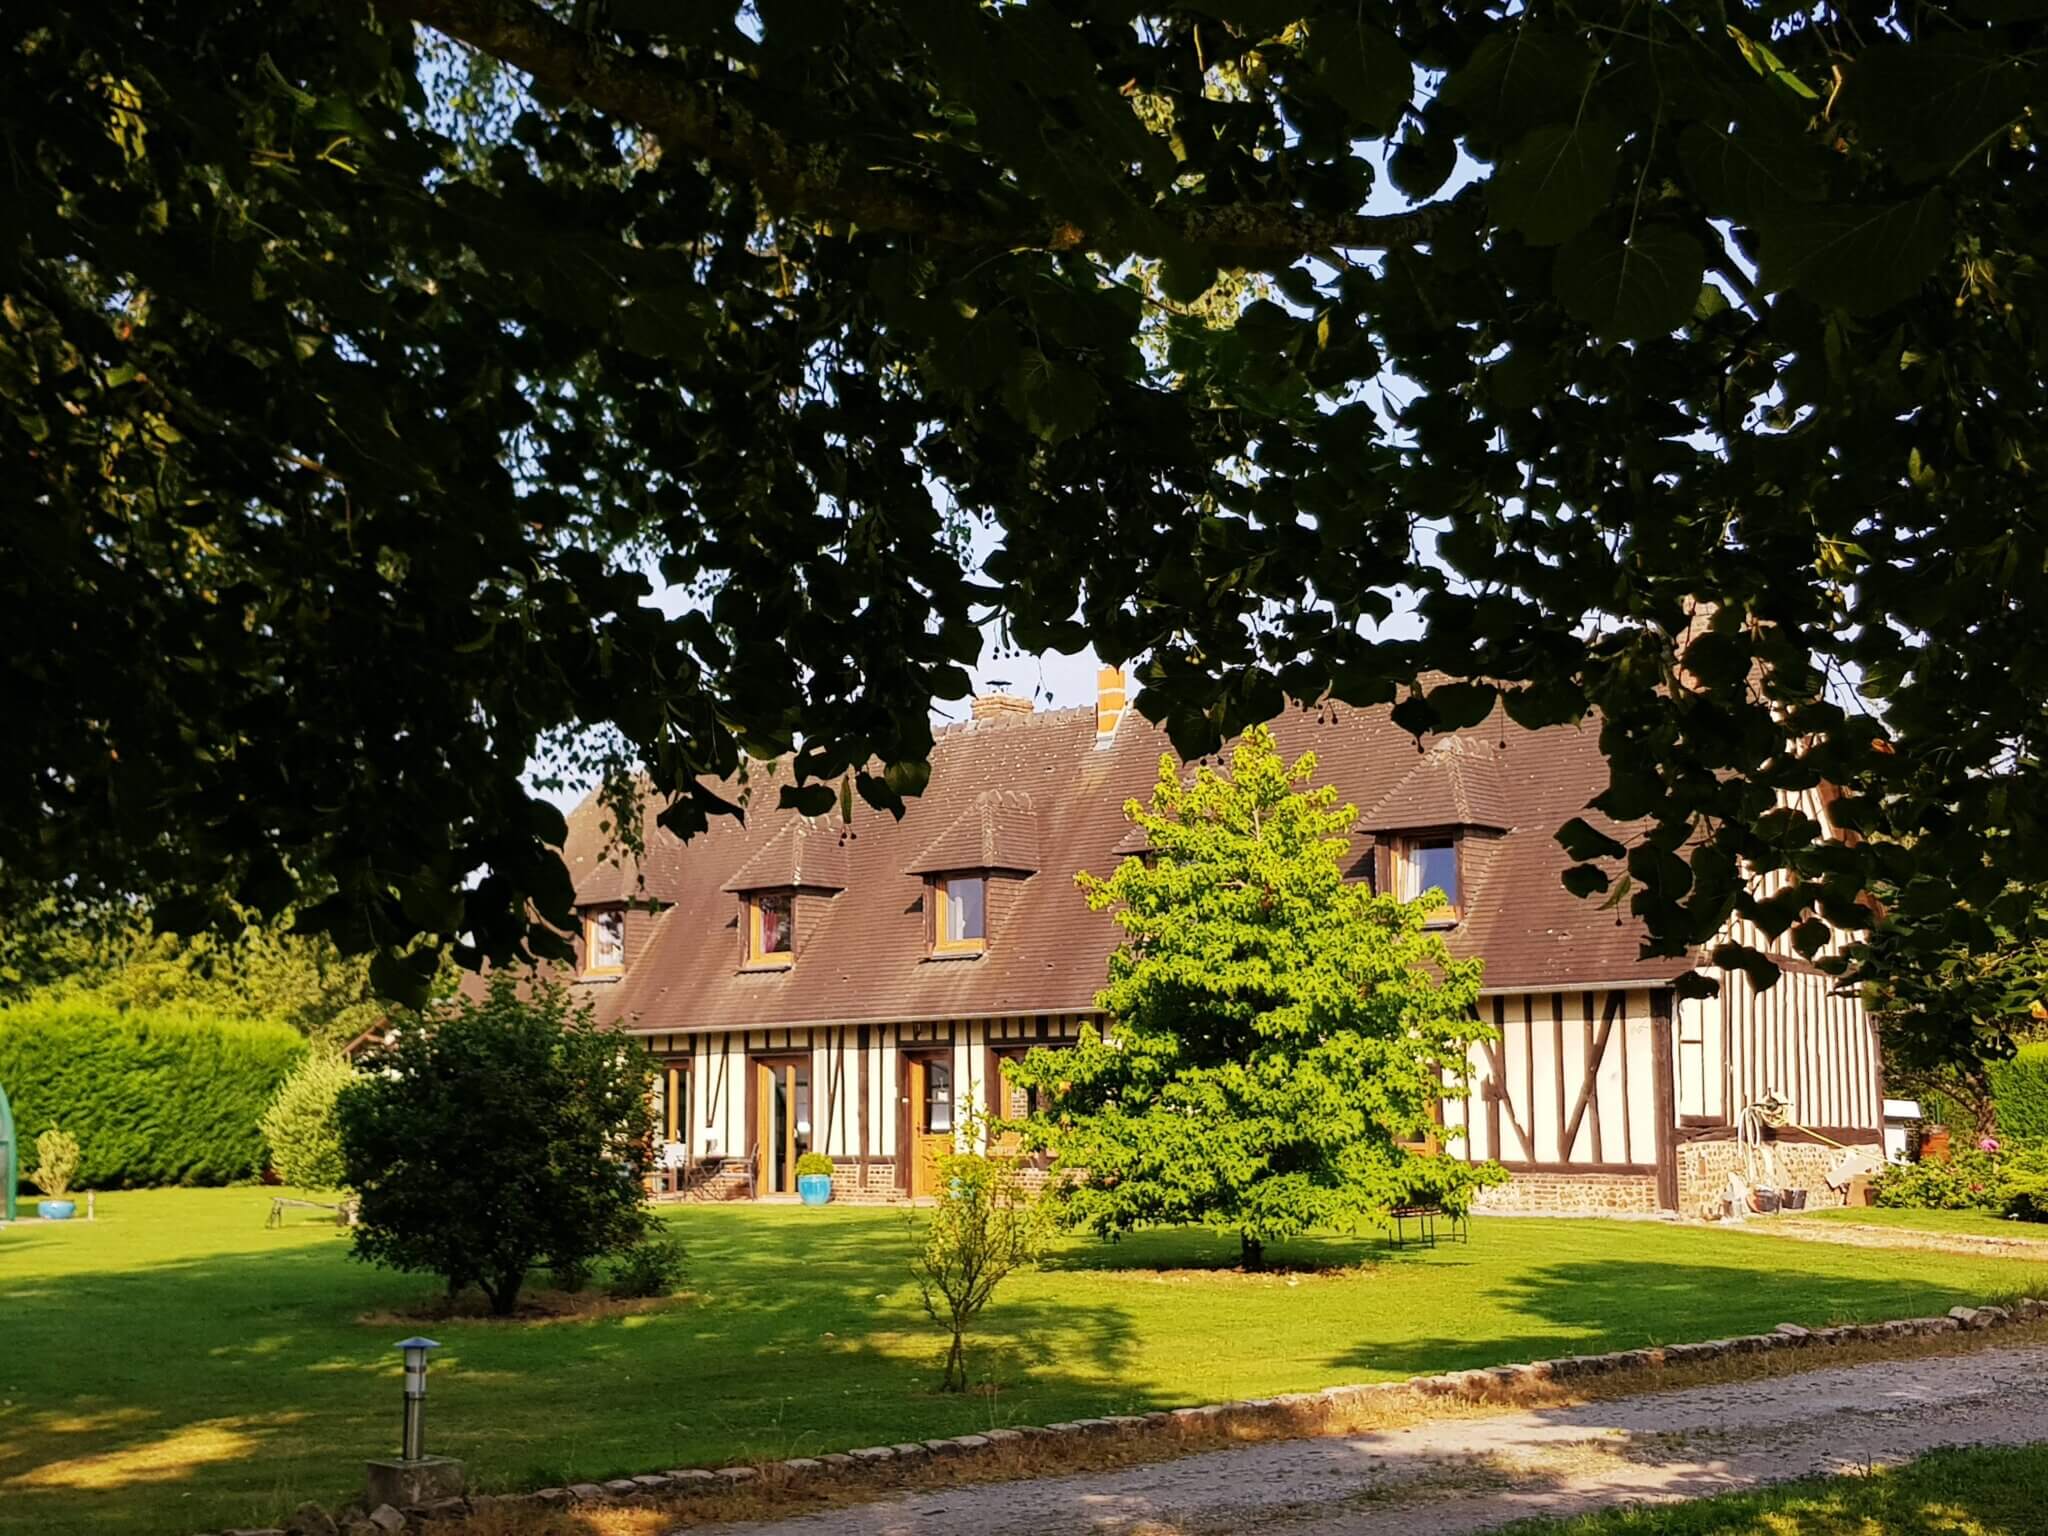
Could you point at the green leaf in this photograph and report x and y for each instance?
(1697, 985)
(1362, 68)
(1582, 840)
(1423, 161)
(1460, 706)
(807, 799)
(1761, 970)
(1717, 660)
(1858, 257)
(1584, 880)
(1056, 400)
(664, 322)
(1928, 104)
(1770, 66)
(1746, 173)
(908, 778)
(1556, 179)
(1627, 290)
(976, 354)
(1515, 80)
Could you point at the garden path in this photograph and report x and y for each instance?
(1474, 1474)
(1861, 1235)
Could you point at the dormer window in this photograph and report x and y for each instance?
(960, 924)
(771, 928)
(604, 942)
(1429, 864)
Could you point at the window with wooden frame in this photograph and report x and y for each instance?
(1429, 864)
(1431, 1141)
(771, 928)
(960, 918)
(604, 942)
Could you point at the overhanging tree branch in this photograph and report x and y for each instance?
(823, 180)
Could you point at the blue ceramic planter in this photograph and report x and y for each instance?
(815, 1188)
(56, 1210)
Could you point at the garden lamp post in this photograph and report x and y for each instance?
(412, 1440)
(414, 1477)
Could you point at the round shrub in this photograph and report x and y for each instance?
(814, 1162)
(154, 1097)
(299, 1126)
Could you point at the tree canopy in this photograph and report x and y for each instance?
(360, 363)
(1279, 1033)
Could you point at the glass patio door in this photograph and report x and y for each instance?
(782, 1122)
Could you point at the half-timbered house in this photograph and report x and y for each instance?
(853, 989)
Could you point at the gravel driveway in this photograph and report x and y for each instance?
(1472, 1474)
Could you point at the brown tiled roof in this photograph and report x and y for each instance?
(861, 952)
(999, 830)
(1458, 782)
(808, 853)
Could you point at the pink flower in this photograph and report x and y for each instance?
(1988, 1144)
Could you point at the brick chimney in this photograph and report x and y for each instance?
(993, 706)
(1109, 704)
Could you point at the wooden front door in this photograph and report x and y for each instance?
(929, 1088)
(782, 1122)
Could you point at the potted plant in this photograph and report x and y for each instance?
(814, 1178)
(56, 1165)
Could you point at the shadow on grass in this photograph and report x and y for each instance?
(1201, 1250)
(199, 1393)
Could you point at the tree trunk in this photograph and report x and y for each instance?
(956, 1367)
(1251, 1252)
(505, 1294)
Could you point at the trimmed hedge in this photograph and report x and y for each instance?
(2020, 1089)
(154, 1097)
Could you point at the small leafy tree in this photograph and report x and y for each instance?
(498, 1135)
(1279, 1033)
(984, 1225)
(56, 1163)
(300, 1128)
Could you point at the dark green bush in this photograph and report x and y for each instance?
(2020, 1089)
(496, 1137)
(651, 1265)
(154, 1097)
(2023, 1181)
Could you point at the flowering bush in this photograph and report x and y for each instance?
(1965, 1181)
(2009, 1179)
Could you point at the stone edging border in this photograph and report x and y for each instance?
(1473, 1385)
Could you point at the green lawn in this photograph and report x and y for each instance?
(1951, 1493)
(1969, 1223)
(175, 1367)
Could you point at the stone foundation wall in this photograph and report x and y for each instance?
(1572, 1194)
(1704, 1166)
